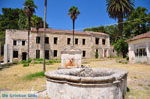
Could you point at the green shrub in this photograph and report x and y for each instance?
(96, 55)
(30, 60)
(34, 75)
(38, 62)
(23, 61)
(51, 61)
(57, 61)
(54, 61)
(25, 64)
(38, 59)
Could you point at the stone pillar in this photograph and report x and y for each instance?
(10, 54)
(131, 54)
(108, 53)
(20, 54)
(5, 53)
(148, 52)
(100, 53)
(103, 53)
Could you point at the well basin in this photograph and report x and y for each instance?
(86, 83)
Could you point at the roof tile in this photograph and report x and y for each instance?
(145, 35)
(69, 32)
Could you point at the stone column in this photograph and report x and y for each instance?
(108, 53)
(20, 54)
(148, 52)
(131, 54)
(10, 54)
(5, 53)
(103, 52)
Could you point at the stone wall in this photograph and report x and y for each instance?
(98, 84)
(20, 35)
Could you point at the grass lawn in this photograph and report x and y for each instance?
(21, 78)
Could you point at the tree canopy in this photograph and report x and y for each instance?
(73, 12)
(29, 7)
(136, 23)
(118, 9)
(16, 19)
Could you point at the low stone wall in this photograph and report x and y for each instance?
(96, 84)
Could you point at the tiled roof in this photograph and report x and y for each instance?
(145, 35)
(69, 32)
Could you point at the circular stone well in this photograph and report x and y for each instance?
(86, 83)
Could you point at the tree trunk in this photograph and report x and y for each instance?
(0, 49)
(120, 26)
(45, 9)
(29, 19)
(73, 21)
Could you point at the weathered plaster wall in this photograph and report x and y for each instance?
(19, 35)
(141, 43)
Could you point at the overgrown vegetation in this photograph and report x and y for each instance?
(137, 22)
(121, 47)
(96, 54)
(34, 75)
(26, 62)
(16, 19)
(39, 61)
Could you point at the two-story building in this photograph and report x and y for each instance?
(90, 43)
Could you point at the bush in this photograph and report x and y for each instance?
(54, 61)
(96, 55)
(25, 64)
(23, 61)
(30, 60)
(121, 47)
(38, 59)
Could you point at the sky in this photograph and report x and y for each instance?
(92, 12)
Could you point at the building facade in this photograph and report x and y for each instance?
(90, 43)
(139, 48)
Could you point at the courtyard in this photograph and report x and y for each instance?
(16, 77)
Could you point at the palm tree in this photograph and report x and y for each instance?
(36, 22)
(118, 9)
(45, 10)
(73, 13)
(29, 9)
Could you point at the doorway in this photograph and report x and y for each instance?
(46, 54)
(24, 56)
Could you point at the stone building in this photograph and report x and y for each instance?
(90, 43)
(139, 48)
